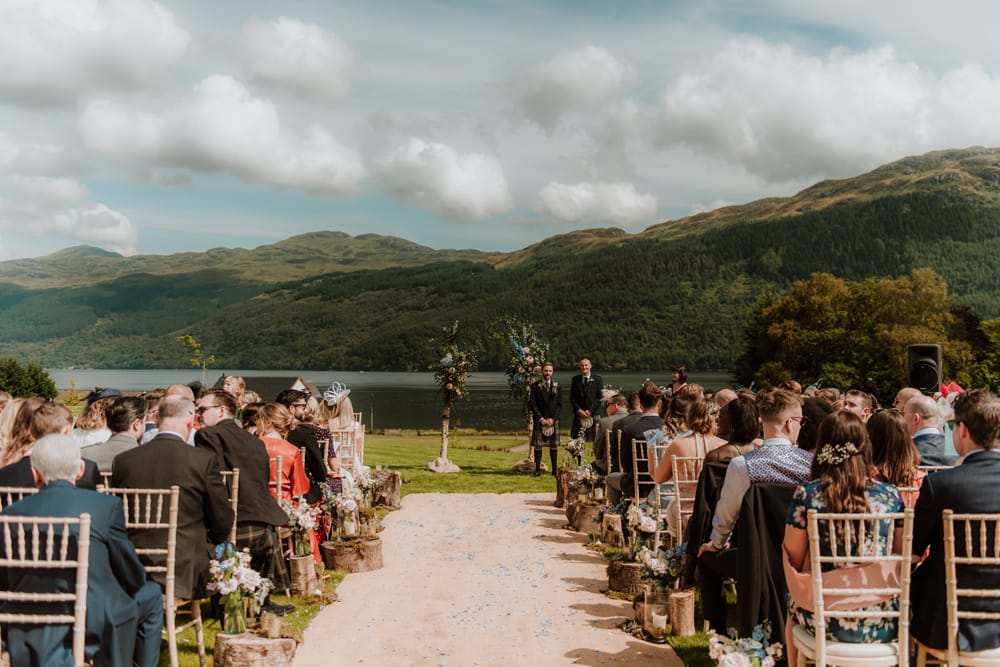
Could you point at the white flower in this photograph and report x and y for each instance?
(767, 662)
(734, 660)
(647, 524)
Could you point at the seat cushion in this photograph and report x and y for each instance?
(806, 640)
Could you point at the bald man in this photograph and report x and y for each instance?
(904, 395)
(921, 414)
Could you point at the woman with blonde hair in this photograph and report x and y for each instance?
(236, 386)
(19, 440)
(338, 411)
(91, 426)
(272, 423)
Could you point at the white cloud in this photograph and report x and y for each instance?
(600, 203)
(570, 81)
(465, 187)
(45, 188)
(97, 225)
(783, 114)
(220, 126)
(303, 58)
(54, 51)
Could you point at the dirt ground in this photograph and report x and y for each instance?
(475, 580)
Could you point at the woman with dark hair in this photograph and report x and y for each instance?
(895, 458)
(814, 411)
(744, 429)
(679, 378)
(840, 483)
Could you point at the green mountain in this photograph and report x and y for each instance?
(676, 292)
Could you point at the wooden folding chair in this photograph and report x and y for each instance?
(106, 478)
(686, 470)
(345, 450)
(640, 468)
(11, 494)
(274, 484)
(156, 510)
(231, 478)
(930, 469)
(852, 537)
(324, 447)
(979, 537)
(44, 543)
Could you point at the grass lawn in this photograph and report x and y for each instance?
(486, 462)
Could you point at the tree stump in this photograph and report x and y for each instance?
(387, 487)
(247, 650)
(562, 487)
(584, 517)
(353, 555)
(625, 578)
(682, 612)
(303, 575)
(611, 530)
(368, 523)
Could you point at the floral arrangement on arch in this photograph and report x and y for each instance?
(526, 353)
(453, 369)
(752, 651)
(302, 518)
(236, 583)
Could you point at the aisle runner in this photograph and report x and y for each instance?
(478, 579)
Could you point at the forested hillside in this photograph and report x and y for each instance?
(681, 291)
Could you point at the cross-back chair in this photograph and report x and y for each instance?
(686, 470)
(45, 543)
(640, 468)
(343, 441)
(11, 494)
(861, 549)
(974, 543)
(231, 478)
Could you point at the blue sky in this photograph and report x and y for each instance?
(158, 127)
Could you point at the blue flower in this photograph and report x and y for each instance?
(758, 634)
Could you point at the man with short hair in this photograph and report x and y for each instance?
(921, 415)
(126, 417)
(181, 390)
(620, 483)
(585, 398)
(257, 511)
(860, 403)
(124, 611)
(617, 409)
(545, 403)
(303, 436)
(776, 461)
(970, 488)
(204, 514)
(723, 397)
(50, 418)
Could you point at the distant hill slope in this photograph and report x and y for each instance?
(677, 292)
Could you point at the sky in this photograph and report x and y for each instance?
(182, 125)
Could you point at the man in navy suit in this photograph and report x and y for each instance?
(971, 488)
(124, 611)
(921, 414)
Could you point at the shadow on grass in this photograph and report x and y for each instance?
(628, 655)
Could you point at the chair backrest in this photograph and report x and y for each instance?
(153, 510)
(344, 443)
(106, 478)
(686, 470)
(231, 478)
(357, 416)
(324, 446)
(274, 484)
(11, 494)
(859, 540)
(930, 469)
(44, 543)
(640, 468)
(979, 538)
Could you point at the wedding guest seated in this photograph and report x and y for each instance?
(777, 460)
(18, 440)
(236, 387)
(620, 483)
(969, 488)
(814, 411)
(616, 409)
(126, 417)
(91, 427)
(303, 436)
(921, 414)
(841, 484)
(205, 515)
(696, 439)
(124, 611)
(273, 422)
(181, 390)
(895, 458)
(47, 419)
(744, 425)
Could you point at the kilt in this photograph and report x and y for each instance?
(265, 551)
(539, 440)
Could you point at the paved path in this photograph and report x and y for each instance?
(476, 580)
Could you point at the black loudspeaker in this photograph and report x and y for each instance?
(924, 362)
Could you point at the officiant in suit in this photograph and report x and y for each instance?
(585, 397)
(970, 488)
(545, 402)
(205, 515)
(124, 611)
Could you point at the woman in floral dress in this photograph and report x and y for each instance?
(840, 483)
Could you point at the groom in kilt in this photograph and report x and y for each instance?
(545, 401)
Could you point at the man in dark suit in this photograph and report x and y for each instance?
(620, 483)
(124, 611)
(921, 414)
(617, 409)
(969, 488)
(303, 436)
(585, 397)
(545, 403)
(257, 511)
(48, 419)
(204, 517)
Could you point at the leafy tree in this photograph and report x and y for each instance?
(198, 358)
(24, 381)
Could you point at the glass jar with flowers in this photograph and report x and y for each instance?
(347, 515)
(660, 570)
(238, 586)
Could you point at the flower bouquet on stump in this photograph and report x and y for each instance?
(240, 587)
(660, 569)
(367, 518)
(303, 519)
(752, 651)
(624, 568)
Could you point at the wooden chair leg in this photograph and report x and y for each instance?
(199, 631)
(170, 613)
